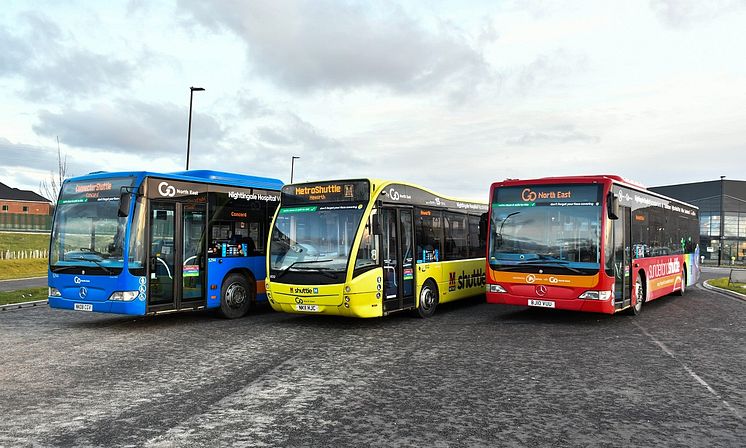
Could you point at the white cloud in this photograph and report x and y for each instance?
(310, 45)
(683, 13)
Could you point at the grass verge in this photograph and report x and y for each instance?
(30, 267)
(23, 241)
(723, 283)
(23, 295)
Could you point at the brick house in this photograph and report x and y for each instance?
(13, 200)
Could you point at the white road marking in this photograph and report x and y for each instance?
(691, 372)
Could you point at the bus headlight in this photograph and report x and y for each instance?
(595, 295)
(495, 288)
(124, 296)
(54, 292)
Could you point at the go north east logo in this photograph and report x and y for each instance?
(473, 280)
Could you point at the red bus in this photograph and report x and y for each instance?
(588, 243)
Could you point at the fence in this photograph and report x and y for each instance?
(25, 222)
(23, 254)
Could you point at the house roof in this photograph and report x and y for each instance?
(14, 194)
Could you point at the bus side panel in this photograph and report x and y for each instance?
(692, 267)
(456, 279)
(218, 269)
(664, 274)
(433, 271)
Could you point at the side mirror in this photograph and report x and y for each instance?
(612, 206)
(483, 219)
(125, 200)
(376, 230)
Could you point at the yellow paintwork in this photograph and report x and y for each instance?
(365, 291)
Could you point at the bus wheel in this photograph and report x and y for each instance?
(428, 299)
(682, 291)
(236, 296)
(639, 297)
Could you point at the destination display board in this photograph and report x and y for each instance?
(567, 195)
(334, 191)
(94, 190)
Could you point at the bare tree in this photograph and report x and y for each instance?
(50, 188)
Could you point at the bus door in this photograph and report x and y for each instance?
(397, 249)
(622, 258)
(177, 256)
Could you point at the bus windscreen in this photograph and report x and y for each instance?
(314, 241)
(88, 232)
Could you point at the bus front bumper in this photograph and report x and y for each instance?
(592, 306)
(135, 307)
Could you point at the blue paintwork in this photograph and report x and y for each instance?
(219, 268)
(100, 287)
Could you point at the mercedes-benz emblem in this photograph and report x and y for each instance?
(541, 290)
(83, 293)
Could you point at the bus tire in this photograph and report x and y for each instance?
(682, 291)
(428, 299)
(236, 296)
(636, 309)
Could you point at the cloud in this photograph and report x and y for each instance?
(40, 161)
(551, 69)
(319, 44)
(552, 136)
(51, 64)
(296, 132)
(682, 13)
(131, 126)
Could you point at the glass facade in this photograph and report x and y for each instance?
(722, 234)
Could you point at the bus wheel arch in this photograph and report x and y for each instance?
(428, 299)
(237, 293)
(682, 290)
(640, 293)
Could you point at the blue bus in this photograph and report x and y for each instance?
(144, 243)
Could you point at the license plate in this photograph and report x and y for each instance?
(83, 307)
(541, 303)
(308, 308)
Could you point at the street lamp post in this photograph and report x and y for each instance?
(189, 130)
(292, 167)
(722, 220)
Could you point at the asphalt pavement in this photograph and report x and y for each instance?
(473, 375)
(14, 285)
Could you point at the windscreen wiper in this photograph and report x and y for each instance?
(551, 261)
(98, 263)
(93, 251)
(326, 272)
(287, 269)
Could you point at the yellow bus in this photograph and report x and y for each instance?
(368, 248)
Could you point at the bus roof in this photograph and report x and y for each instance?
(201, 176)
(599, 178)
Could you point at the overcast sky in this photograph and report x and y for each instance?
(452, 95)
